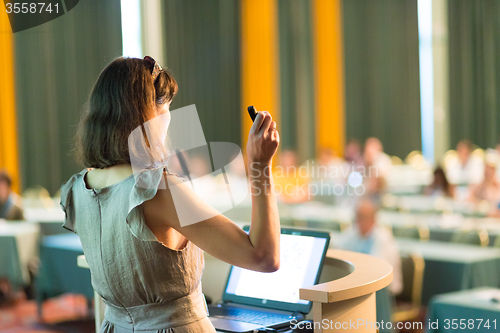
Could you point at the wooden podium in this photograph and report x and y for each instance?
(347, 304)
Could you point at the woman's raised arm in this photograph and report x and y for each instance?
(218, 235)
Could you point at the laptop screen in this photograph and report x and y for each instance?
(301, 259)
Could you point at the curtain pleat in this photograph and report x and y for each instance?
(203, 52)
(56, 65)
(382, 73)
(296, 77)
(474, 55)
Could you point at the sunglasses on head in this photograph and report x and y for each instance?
(156, 67)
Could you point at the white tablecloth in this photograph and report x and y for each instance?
(55, 214)
(18, 245)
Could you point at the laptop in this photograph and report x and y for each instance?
(254, 300)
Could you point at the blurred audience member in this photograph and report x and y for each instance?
(352, 154)
(493, 156)
(488, 189)
(329, 157)
(10, 202)
(290, 181)
(497, 149)
(324, 173)
(328, 165)
(374, 157)
(464, 168)
(440, 186)
(366, 237)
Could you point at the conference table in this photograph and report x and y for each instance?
(406, 179)
(334, 217)
(422, 204)
(18, 246)
(441, 226)
(475, 310)
(50, 220)
(58, 272)
(20, 242)
(452, 267)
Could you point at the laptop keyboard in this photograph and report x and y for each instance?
(249, 316)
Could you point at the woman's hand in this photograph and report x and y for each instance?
(263, 139)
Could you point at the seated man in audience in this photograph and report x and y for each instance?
(366, 237)
(374, 156)
(326, 168)
(10, 203)
(352, 153)
(464, 168)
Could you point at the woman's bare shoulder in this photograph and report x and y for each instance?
(100, 178)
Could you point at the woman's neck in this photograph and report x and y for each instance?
(99, 178)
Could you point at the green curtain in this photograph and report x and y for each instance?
(56, 65)
(296, 77)
(202, 47)
(382, 73)
(474, 55)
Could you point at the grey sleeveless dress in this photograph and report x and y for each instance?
(147, 287)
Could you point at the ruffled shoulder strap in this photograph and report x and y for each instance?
(67, 201)
(145, 187)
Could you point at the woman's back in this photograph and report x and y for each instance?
(145, 284)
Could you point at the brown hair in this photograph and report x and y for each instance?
(5, 178)
(447, 187)
(123, 99)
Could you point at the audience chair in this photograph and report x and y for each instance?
(449, 157)
(299, 223)
(286, 221)
(412, 155)
(323, 225)
(416, 160)
(396, 160)
(409, 302)
(328, 199)
(497, 242)
(37, 197)
(419, 232)
(471, 237)
(443, 205)
(478, 152)
(386, 226)
(284, 209)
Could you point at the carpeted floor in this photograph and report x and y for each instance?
(65, 314)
